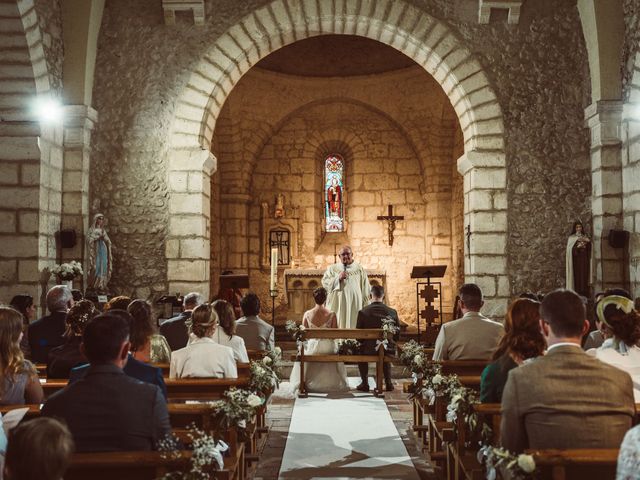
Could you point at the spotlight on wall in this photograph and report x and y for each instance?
(47, 109)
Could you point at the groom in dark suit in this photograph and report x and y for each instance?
(371, 317)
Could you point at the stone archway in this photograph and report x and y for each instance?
(429, 42)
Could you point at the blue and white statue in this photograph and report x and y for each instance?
(100, 259)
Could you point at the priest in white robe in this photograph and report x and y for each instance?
(348, 287)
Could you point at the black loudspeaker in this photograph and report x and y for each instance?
(618, 238)
(67, 238)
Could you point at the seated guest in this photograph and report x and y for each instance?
(19, 381)
(175, 330)
(619, 317)
(522, 340)
(225, 334)
(108, 410)
(565, 399)
(231, 295)
(120, 302)
(134, 368)
(77, 295)
(38, 449)
(628, 467)
(596, 338)
(146, 345)
(371, 317)
(24, 304)
(203, 357)
(257, 334)
(63, 358)
(47, 333)
(472, 337)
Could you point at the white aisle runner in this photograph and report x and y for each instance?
(344, 438)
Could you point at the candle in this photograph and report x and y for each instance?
(274, 268)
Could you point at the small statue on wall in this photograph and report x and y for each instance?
(578, 260)
(278, 211)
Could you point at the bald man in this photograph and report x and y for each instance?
(348, 287)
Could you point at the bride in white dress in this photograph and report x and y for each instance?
(320, 377)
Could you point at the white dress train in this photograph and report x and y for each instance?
(320, 377)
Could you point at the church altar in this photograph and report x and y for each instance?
(300, 283)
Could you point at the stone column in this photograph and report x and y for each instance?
(485, 212)
(631, 185)
(603, 119)
(188, 241)
(79, 121)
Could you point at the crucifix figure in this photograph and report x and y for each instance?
(391, 225)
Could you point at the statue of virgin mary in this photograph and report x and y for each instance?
(100, 259)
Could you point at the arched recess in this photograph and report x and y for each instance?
(30, 158)
(428, 41)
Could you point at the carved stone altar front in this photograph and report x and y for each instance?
(300, 283)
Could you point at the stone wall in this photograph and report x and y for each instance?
(541, 78)
(541, 90)
(396, 132)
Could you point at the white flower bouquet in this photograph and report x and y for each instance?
(67, 271)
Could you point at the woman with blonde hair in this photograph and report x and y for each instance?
(19, 383)
(203, 357)
(225, 334)
(522, 341)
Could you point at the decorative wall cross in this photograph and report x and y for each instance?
(429, 313)
(391, 225)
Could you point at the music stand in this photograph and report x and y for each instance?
(428, 272)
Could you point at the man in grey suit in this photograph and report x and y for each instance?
(256, 333)
(108, 410)
(565, 399)
(472, 337)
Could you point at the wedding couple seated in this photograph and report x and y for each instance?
(332, 377)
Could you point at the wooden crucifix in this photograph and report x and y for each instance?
(391, 225)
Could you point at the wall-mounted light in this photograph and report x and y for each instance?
(47, 109)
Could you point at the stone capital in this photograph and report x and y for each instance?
(479, 159)
(604, 118)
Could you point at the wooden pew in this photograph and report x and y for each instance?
(335, 334)
(132, 466)
(182, 416)
(243, 369)
(576, 464)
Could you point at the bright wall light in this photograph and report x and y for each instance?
(47, 109)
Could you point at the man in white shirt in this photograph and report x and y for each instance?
(472, 337)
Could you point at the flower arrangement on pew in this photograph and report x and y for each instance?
(296, 331)
(389, 328)
(428, 382)
(265, 374)
(348, 347)
(205, 458)
(498, 461)
(236, 409)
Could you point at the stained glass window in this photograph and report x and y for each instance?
(334, 193)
